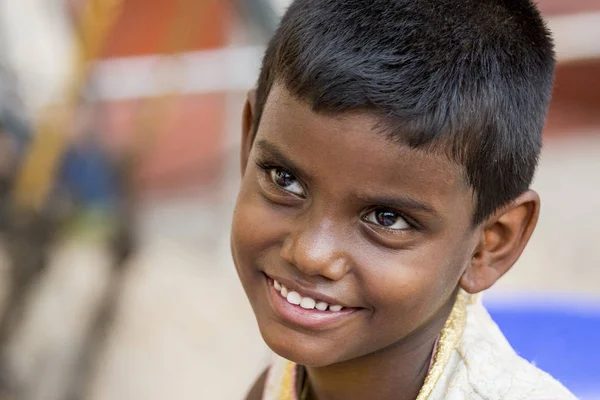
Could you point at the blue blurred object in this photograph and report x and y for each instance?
(561, 336)
(89, 175)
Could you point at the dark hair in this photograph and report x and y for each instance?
(471, 78)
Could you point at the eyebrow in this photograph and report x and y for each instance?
(270, 150)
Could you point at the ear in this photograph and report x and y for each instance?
(502, 239)
(247, 129)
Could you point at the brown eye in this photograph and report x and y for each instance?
(386, 218)
(286, 181)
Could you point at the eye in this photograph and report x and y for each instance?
(387, 219)
(286, 181)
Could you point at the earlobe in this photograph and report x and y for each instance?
(247, 129)
(502, 239)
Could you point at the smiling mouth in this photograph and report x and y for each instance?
(305, 311)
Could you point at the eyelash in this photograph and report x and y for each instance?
(413, 225)
(266, 167)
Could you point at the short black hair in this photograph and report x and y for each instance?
(472, 78)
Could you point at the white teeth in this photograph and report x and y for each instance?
(304, 302)
(308, 303)
(294, 298)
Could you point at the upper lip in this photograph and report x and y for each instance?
(303, 290)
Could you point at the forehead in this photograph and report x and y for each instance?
(349, 152)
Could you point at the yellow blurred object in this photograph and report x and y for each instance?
(34, 180)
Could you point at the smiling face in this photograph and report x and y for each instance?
(335, 211)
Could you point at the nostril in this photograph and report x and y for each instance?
(338, 269)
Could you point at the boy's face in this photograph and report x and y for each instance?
(337, 212)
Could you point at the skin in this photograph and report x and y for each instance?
(313, 187)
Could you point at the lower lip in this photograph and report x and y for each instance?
(299, 316)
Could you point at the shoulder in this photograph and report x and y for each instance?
(489, 368)
(256, 392)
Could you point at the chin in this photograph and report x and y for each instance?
(301, 349)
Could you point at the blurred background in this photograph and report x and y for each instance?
(119, 142)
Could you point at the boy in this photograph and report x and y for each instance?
(386, 160)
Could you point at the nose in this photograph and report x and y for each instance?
(317, 249)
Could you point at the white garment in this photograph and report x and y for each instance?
(473, 361)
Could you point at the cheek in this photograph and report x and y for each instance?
(254, 229)
(410, 287)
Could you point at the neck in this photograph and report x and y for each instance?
(396, 372)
